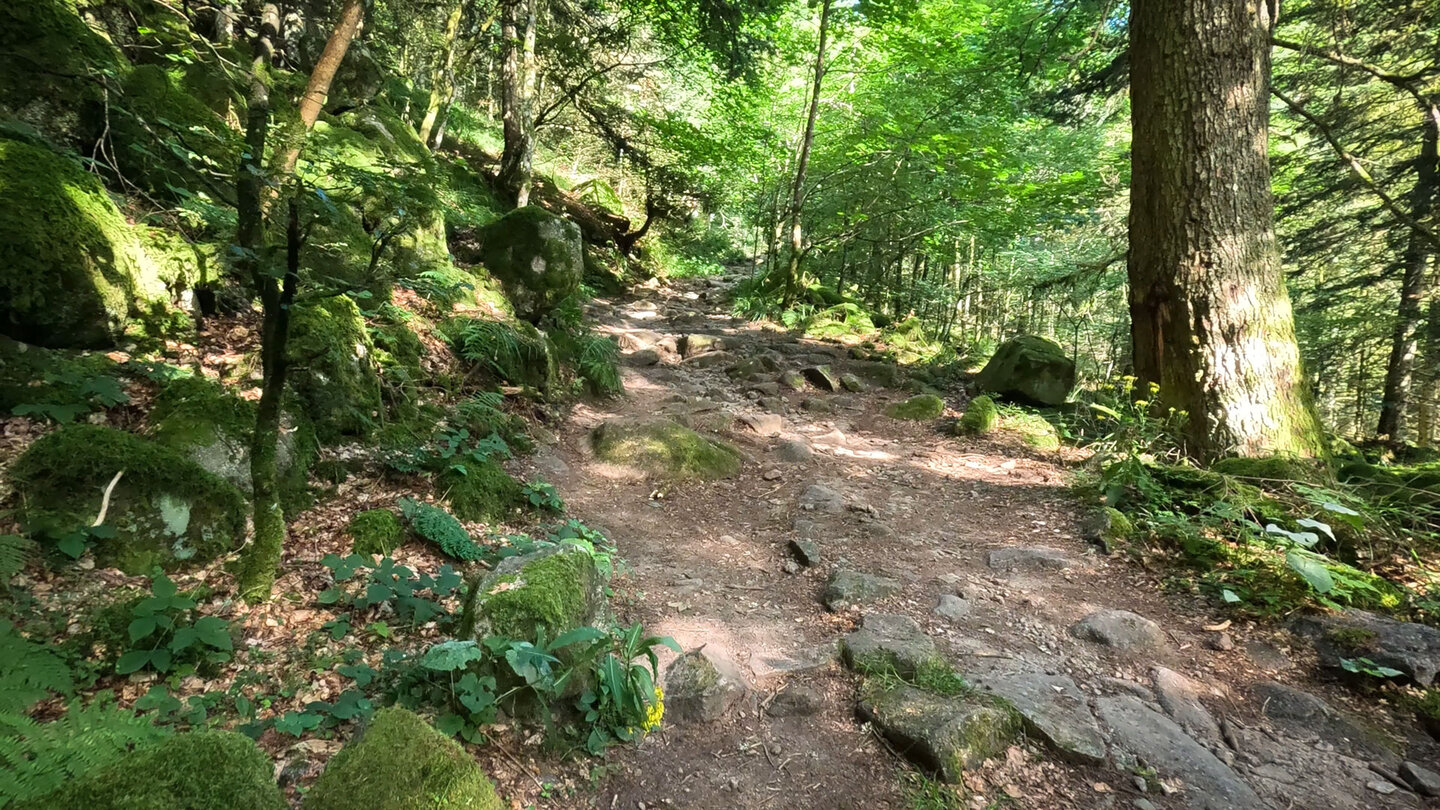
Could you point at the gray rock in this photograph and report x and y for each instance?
(707, 360)
(1303, 712)
(693, 345)
(822, 499)
(765, 424)
(1053, 709)
(1144, 735)
(1420, 779)
(813, 405)
(1121, 630)
(1412, 648)
(699, 688)
(766, 389)
(846, 589)
(1029, 368)
(807, 552)
(886, 375)
(952, 607)
(771, 404)
(944, 735)
(1267, 656)
(889, 639)
(538, 258)
(796, 700)
(1180, 698)
(822, 377)
(793, 380)
(642, 358)
(1034, 557)
(850, 382)
(1381, 786)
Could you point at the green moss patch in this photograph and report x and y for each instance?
(401, 762)
(201, 770)
(377, 531)
(166, 509)
(553, 590)
(1032, 428)
(918, 408)
(980, 417)
(332, 367)
(158, 118)
(664, 448)
(483, 492)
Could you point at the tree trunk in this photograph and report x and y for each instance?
(1210, 316)
(802, 162)
(442, 79)
(517, 30)
(1413, 288)
(317, 89)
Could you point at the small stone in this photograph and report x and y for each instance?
(1422, 780)
(765, 424)
(700, 688)
(1381, 786)
(1222, 642)
(791, 567)
(852, 383)
(793, 380)
(1143, 804)
(692, 345)
(1121, 630)
(945, 735)
(814, 405)
(807, 552)
(889, 639)
(1037, 557)
(794, 451)
(642, 358)
(796, 700)
(952, 607)
(847, 589)
(822, 377)
(822, 499)
(772, 474)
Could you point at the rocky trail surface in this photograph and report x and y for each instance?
(845, 529)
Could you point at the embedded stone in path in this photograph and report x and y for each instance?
(700, 688)
(642, 358)
(846, 589)
(1121, 630)
(1029, 557)
(1180, 698)
(1053, 709)
(1414, 649)
(889, 640)
(822, 377)
(1144, 735)
(1420, 779)
(765, 424)
(1307, 713)
(794, 451)
(941, 734)
(822, 499)
(796, 700)
(692, 345)
(952, 607)
(807, 552)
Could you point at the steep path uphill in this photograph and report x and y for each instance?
(983, 544)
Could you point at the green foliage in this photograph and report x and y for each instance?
(364, 588)
(402, 763)
(193, 771)
(166, 633)
(332, 367)
(510, 353)
(375, 531)
(624, 703)
(441, 528)
(32, 672)
(542, 495)
(596, 360)
(40, 759)
(15, 553)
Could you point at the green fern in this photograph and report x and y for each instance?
(15, 554)
(597, 362)
(502, 349)
(441, 528)
(38, 758)
(30, 673)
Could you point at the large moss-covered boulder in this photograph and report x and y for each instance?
(166, 510)
(537, 256)
(663, 448)
(332, 369)
(212, 427)
(201, 770)
(552, 590)
(401, 762)
(1030, 369)
(156, 104)
(72, 271)
(49, 64)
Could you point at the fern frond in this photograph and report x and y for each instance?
(15, 553)
(36, 759)
(30, 673)
(597, 363)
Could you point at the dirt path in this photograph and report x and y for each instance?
(708, 566)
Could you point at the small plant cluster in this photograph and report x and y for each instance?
(438, 526)
(74, 391)
(470, 681)
(364, 588)
(477, 431)
(167, 636)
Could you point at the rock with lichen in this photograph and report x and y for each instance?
(943, 734)
(537, 257)
(1030, 369)
(700, 688)
(664, 448)
(332, 368)
(917, 408)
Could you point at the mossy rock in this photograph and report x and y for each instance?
(1029, 369)
(49, 60)
(333, 367)
(401, 762)
(483, 492)
(157, 96)
(664, 448)
(376, 531)
(918, 408)
(199, 770)
(537, 256)
(553, 590)
(212, 427)
(34, 375)
(166, 509)
(72, 271)
(981, 417)
(944, 735)
(1032, 428)
(1273, 469)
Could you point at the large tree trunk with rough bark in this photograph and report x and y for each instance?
(1414, 286)
(517, 71)
(1210, 316)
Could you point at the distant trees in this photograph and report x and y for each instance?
(1210, 315)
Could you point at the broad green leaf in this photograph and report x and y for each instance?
(1312, 569)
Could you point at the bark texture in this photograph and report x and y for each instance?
(317, 88)
(517, 29)
(1210, 316)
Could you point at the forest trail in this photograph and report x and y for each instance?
(985, 541)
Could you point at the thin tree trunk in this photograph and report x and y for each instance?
(1210, 316)
(802, 162)
(1413, 288)
(517, 30)
(442, 78)
(317, 89)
